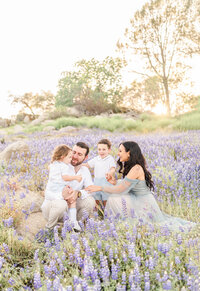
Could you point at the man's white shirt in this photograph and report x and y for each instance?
(85, 182)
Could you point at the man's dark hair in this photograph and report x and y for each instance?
(83, 146)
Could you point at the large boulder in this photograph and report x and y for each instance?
(18, 128)
(68, 129)
(49, 128)
(5, 122)
(72, 111)
(27, 119)
(30, 226)
(18, 147)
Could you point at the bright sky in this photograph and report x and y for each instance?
(42, 38)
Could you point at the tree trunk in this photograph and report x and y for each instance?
(167, 101)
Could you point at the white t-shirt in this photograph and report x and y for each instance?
(85, 182)
(55, 182)
(102, 166)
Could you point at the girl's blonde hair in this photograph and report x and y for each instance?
(59, 152)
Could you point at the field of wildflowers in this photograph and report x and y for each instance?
(109, 254)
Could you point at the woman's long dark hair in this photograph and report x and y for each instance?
(136, 158)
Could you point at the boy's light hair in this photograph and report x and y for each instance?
(59, 152)
(105, 141)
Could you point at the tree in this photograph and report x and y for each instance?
(192, 33)
(94, 84)
(34, 102)
(157, 34)
(144, 94)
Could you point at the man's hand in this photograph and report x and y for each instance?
(73, 197)
(67, 191)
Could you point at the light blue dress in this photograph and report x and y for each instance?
(137, 201)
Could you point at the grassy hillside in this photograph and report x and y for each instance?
(145, 123)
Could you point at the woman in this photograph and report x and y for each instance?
(132, 197)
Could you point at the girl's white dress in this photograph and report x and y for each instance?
(55, 182)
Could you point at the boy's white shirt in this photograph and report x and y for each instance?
(102, 166)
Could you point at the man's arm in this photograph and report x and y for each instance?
(87, 181)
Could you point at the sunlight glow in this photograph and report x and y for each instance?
(159, 109)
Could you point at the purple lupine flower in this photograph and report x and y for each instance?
(147, 286)
(11, 281)
(131, 278)
(97, 285)
(167, 285)
(22, 195)
(99, 244)
(124, 278)
(37, 281)
(36, 255)
(6, 248)
(177, 260)
(124, 257)
(48, 285)
(114, 270)
(124, 208)
(56, 284)
(8, 222)
(131, 251)
(84, 285)
(136, 273)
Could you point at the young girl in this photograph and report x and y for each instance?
(104, 168)
(59, 176)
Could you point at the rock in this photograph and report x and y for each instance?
(26, 119)
(36, 121)
(3, 123)
(18, 128)
(29, 227)
(73, 111)
(40, 119)
(68, 129)
(48, 128)
(18, 147)
(47, 121)
(27, 205)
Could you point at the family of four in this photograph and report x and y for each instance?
(70, 188)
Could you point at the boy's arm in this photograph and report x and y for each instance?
(112, 171)
(110, 177)
(86, 165)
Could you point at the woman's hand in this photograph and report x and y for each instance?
(93, 188)
(111, 179)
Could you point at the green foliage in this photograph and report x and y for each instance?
(94, 85)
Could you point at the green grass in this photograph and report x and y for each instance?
(145, 123)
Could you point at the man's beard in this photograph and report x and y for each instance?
(76, 163)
